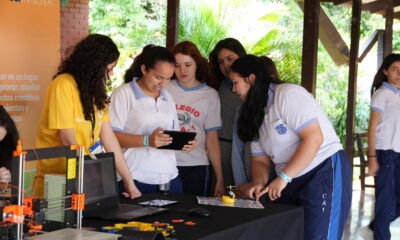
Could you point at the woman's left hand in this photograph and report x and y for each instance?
(189, 147)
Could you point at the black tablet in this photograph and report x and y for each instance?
(179, 139)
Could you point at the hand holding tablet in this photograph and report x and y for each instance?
(179, 139)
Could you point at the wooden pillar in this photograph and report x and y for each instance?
(310, 45)
(388, 35)
(352, 84)
(172, 23)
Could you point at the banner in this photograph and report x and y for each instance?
(29, 57)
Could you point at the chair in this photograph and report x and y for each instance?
(361, 141)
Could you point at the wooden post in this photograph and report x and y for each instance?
(352, 84)
(172, 23)
(310, 45)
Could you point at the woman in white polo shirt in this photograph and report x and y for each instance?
(285, 125)
(140, 110)
(384, 144)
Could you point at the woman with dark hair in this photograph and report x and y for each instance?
(140, 110)
(221, 58)
(8, 142)
(384, 145)
(286, 126)
(75, 109)
(198, 108)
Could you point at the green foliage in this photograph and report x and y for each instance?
(132, 24)
(199, 24)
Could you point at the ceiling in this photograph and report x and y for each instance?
(372, 6)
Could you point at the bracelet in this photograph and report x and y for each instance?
(285, 177)
(371, 156)
(146, 140)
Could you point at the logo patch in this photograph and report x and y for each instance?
(281, 129)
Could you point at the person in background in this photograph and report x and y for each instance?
(225, 52)
(384, 145)
(140, 110)
(286, 126)
(75, 109)
(198, 108)
(8, 142)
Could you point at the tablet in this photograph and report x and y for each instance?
(179, 139)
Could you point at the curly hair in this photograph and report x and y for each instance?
(380, 76)
(251, 115)
(230, 44)
(150, 55)
(190, 49)
(88, 63)
(9, 143)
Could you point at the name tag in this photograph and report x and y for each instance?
(96, 148)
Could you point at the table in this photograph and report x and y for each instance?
(275, 221)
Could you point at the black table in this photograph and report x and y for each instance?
(275, 221)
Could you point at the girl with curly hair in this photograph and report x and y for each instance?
(75, 108)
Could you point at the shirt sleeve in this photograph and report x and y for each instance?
(378, 101)
(297, 107)
(61, 104)
(213, 120)
(118, 109)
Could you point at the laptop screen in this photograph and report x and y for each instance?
(99, 182)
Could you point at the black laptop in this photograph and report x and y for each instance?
(101, 192)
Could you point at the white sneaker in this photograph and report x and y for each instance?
(366, 233)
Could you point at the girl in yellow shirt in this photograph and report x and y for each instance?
(75, 108)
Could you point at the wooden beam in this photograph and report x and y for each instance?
(387, 46)
(352, 83)
(373, 7)
(369, 43)
(310, 45)
(332, 40)
(172, 23)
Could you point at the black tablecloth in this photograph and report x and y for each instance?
(275, 221)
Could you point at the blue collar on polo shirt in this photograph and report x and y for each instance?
(139, 94)
(391, 87)
(191, 89)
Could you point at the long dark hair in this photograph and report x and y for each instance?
(150, 55)
(380, 76)
(9, 143)
(88, 63)
(190, 49)
(228, 43)
(252, 110)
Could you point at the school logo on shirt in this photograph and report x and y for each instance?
(281, 129)
(185, 122)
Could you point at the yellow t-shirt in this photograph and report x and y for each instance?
(62, 110)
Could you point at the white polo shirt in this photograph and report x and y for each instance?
(199, 110)
(386, 100)
(290, 109)
(134, 112)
